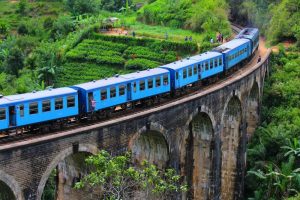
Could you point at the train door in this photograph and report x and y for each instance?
(129, 91)
(199, 70)
(91, 101)
(12, 116)
(177, 79)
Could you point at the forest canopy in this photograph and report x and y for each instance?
(199, 16)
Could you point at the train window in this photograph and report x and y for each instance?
(150, 83)
(33, 108)
(103, 94)
(142, 85)
(184, 73)
(59, 104)
(121, 90)
(157, 81)
(46, 106)
(203, 67)
(190, 71)
(177, 75)
(166, 80)
(134, 87)
(21, 110)
(206, 65)
(70, 101)
(113, 92)
(2, 113)
(216, 62)
(211, 63)
(195, 69)
(220, 61)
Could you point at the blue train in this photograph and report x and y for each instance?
(49, 107)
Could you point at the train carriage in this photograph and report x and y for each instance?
(234, 52)
(190, 70)
(251, 34)
(105, 93)
(118, 90)
(183, 72)
(148, 83)
(211, 64)
(37, 107)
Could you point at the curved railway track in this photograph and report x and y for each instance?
(9, 141)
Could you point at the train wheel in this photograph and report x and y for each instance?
(107, 113)
(124, 106)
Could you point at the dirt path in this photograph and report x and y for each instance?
(116, 32)
(286, 44)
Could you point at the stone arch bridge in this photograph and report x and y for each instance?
(203, 136)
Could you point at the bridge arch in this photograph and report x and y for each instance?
(252, 114)
(88, 148)
(196, 152)
(151, 143)
(231, 133)
(12, 184)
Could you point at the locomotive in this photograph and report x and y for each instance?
(100, 98)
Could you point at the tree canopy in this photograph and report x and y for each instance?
(114, 177)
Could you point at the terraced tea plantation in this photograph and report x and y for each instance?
(103, 56)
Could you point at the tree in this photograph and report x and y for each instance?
(22, 5)
(82, 6)
(15, 61)
(48, 23)
(4, 28)
(275, 181)
(48, 61)
(62, 27)
(114, 177)
(22, 29)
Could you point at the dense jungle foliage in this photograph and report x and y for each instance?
(274, 151)
(205, 15)
(279, 20)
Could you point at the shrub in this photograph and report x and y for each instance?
(62, 26)
(140, 64)
(207, 46)
(144, 52)
(4, 27)
(74, 73)
(22, 5)
(105, 45)
(22, 29)
(48, 23)
(156, 45)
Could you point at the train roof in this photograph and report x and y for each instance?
(12, 99)
(191, 60)
(206, 55)
(121, 79)
(224, 48)
(247, 33)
